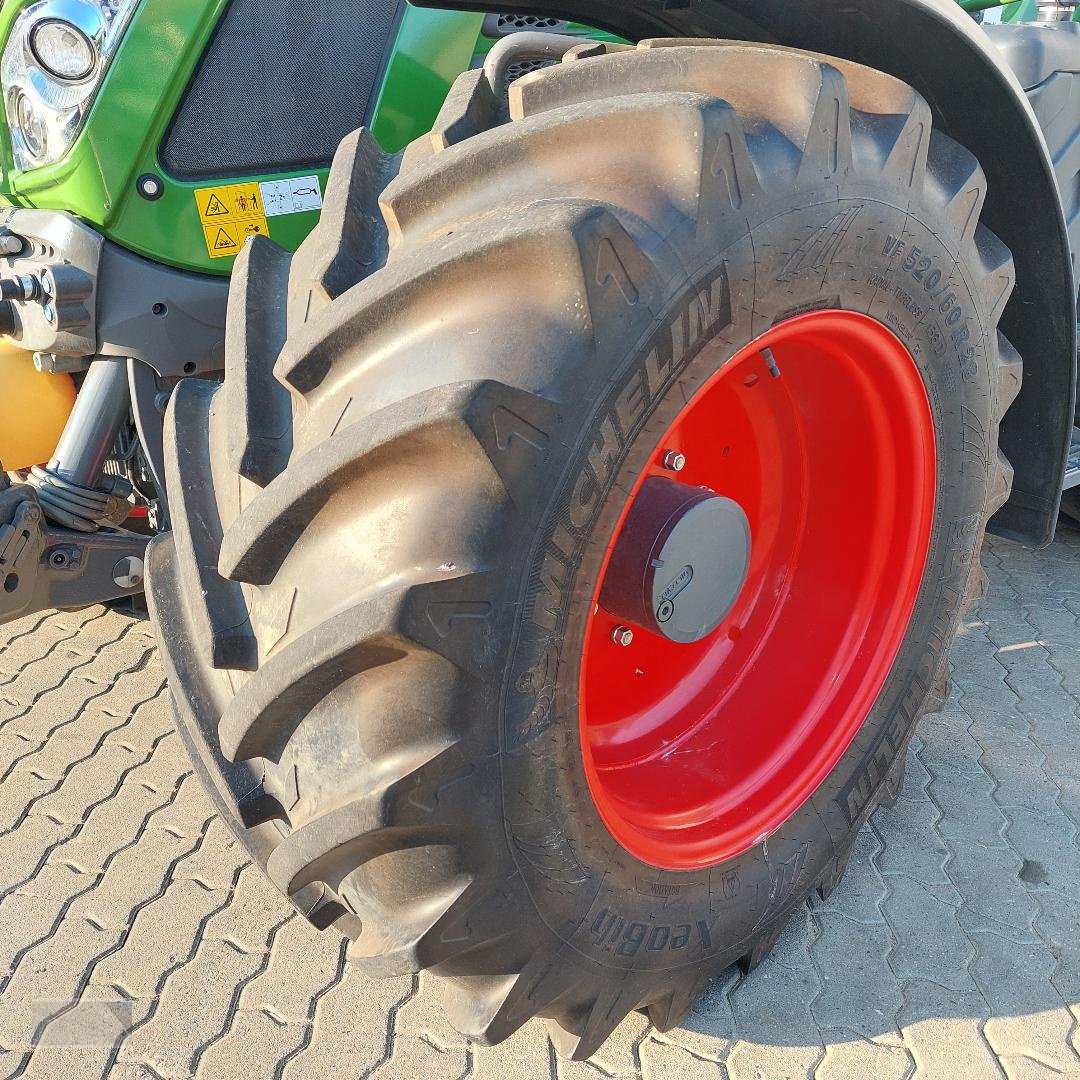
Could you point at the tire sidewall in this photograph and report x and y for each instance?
(860, 253)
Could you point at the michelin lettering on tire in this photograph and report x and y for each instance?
(698, 316)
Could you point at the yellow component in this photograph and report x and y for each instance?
(229, 202)
(230, 214)
(228, 237)
(34, 406)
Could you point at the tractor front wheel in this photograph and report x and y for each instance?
(583, 523)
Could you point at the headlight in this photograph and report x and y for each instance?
(31, 127)
(63, 50)
(51, 70)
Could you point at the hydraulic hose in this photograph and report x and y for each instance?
(71, 488)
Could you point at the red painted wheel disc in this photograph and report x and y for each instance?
(695, 752)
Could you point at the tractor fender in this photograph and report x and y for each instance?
(948, 58)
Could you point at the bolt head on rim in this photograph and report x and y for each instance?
(754, 664)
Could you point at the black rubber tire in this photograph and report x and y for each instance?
(372, 601)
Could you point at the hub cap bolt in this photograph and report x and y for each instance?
(674, 461)
(622, 635)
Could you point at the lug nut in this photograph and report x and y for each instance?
(622, 635)
(674, 461)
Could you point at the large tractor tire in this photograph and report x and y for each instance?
(557, 578)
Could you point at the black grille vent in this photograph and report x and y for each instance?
(500, 25)
(281, 84)
(523, 67)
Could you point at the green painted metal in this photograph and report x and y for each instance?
(96, 178)
(432, 49)
(982, 5)
(1020, 11)
(1016, 11)
(164, 42)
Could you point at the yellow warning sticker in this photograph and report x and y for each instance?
(227, 238)
(230, 214)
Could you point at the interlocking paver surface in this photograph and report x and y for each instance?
(136, 941)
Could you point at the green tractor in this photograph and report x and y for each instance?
(558, 452)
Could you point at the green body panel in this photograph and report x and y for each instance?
(1027, 11)
(140, 93)
(1020, 11)
(432, 49)
(1013, 11)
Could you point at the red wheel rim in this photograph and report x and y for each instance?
(696, 752)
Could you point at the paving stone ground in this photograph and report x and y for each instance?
(136, 941)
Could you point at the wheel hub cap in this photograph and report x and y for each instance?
(680, 561)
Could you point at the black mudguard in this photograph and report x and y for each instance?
(1045, 58)
(976, 98)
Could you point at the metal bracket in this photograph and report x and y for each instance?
(44, 567)
(149, 397)
(64, 254)
(86, 296)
